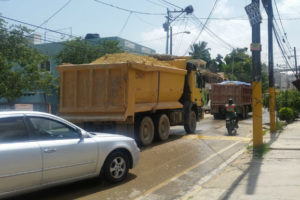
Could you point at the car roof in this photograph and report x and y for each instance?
(23, 112)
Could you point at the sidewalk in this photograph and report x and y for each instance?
(275, 176)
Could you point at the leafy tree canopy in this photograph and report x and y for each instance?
(19, 64)
(200, 51)
(79, 51)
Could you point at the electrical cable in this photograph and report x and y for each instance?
(53, 15)
(171, 4)
(153, 2)
(282, 51)
(125, 24)
(284, 32)
(26, 23)
(211, 33)
(204, 25)
(144, 21)
(127, 10)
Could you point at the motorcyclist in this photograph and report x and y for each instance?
(231, 111)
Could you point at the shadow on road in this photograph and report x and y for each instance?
(73, 190)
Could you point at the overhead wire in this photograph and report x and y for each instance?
(28, 24)
(53, 15)
(127, 10)
(204, 25)
(284, 32)
(125, 24)
(155, 3)
(167, 2)
(281, 48)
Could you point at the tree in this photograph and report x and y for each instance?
(19, 64)
(79, 51)
(200, 51)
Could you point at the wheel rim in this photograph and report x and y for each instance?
(117, 167)
(164, 128)
(147, 131)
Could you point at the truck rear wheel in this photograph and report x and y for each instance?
(146, 131)
(190, 122)
(162, 127)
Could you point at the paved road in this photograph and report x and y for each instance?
(166, 170)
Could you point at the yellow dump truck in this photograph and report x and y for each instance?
(140, 100)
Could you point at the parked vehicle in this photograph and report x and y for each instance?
(136, 99)
(240, 92)
(39, 150)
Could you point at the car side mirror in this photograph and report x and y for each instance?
(79, 133)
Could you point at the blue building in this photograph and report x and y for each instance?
(49, 103)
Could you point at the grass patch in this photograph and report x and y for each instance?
(265, 131)
(279, 125)
(259, 151)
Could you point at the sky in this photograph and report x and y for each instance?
(228, 27)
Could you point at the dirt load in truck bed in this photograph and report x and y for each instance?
(127, 57)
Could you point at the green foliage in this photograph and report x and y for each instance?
(288, 98)
(286, 113)
(19, 63)
(279, 125)
(200, 51)
(239, 63)
(259, 151)
(79, 51)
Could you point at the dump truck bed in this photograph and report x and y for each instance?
(241, 94)
(115, 92)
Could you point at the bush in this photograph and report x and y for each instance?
(286, 113)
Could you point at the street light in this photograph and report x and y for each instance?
(171, 38)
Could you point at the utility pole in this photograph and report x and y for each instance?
(296, 67)
(171, 41)
(167, 25)
(254, 15)
(269, 9)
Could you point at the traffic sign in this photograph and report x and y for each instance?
(253, 13)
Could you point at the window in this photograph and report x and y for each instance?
(49, 129)
(12, 129)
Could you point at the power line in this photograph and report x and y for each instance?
(205, 24)
(26, 23)
(158, 4)
(53, 15)
(125, 24)
(144, 21)
(128, 10)
(284, 32)
(281, 48)
(171, 4)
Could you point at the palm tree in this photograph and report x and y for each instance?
(200, 51)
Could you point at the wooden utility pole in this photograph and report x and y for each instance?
(255, 20)
(269, 9)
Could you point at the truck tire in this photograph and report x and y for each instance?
(116, 167)
(162, 127)
(145, 132)
(190, 122)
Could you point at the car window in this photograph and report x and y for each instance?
(12, 129)
(51, 129)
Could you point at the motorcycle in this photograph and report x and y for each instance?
(231, 126)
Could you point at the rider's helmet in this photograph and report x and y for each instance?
(230, 101)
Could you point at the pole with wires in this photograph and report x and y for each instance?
(296, 67)
(255, 18)
(269, 9)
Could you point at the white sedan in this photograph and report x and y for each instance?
(39, 150)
